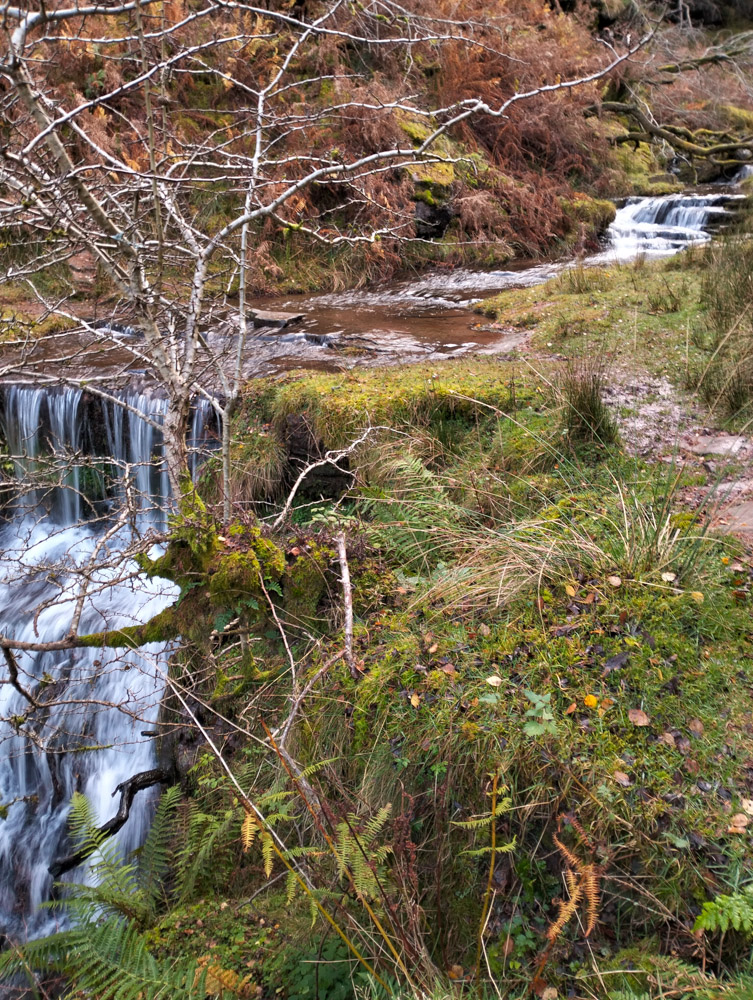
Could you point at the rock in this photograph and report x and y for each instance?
(739, 518)
(432, 220)
(274, 320)
(725, 445)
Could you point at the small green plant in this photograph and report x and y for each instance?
(723, 913)
(539, 715)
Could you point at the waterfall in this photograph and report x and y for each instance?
(661, 226)
(91, 737)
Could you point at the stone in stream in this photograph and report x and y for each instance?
(726, 445)
(274, 320)
(739, 518)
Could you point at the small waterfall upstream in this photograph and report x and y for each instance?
(91, 737)
(662, 226)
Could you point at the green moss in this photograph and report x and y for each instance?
(738, 118)
(595, 213)
(235, 576)
(305, 581)
(645, 170)
(160, 628)
(338, 406)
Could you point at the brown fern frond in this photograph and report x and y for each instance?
(583, 880)
(567, 912)
(590, 882)
(572, 859)
(583, 838)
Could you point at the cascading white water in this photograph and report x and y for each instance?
(89, 739)
(662, 226)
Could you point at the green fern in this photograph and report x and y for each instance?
(103, 953)
(725, 912)
(108, 960)
(359, 856)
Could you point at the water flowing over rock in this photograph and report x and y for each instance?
(661, 226)
(90, 739)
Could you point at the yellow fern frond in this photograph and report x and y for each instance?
(590, 880)
(248, 831)
(267, 853)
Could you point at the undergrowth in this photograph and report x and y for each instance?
(533, 774)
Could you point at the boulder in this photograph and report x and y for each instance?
(274, 320)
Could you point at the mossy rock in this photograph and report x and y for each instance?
(305, 581)
(737, 118)
(595, 214)
(337, 406)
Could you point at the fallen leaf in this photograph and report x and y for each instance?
(494, 680)
(622, 779)
(415, 699)
(747, 806)
(448, 668)
(589, 598)
(550, 993)
(738, 823)
(614, 581)
(667, 739)
(692, 766)
(570, 590)
(638, 717)
(696, 726)
(590, 701)
(669, 577)
(616, 661)
(697, 596)
(432, 649)
(484, 629)
(570, 708)
(455, 972)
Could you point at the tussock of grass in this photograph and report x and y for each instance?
(581, 386)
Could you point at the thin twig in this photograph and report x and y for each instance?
(330, 458)
(342, 555)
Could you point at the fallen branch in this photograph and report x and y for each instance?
(128, 790)
(691, 145)
(342, 555)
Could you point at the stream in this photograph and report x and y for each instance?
(97, 729)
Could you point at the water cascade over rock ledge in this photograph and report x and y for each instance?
(74, 456)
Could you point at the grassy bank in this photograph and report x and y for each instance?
(532, 768)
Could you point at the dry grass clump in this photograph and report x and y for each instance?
(581, 386)
(726, 381)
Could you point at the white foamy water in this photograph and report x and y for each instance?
(90, 738)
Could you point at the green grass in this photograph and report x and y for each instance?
(503, 571)
(644, 314)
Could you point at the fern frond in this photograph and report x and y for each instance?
(497, 849)
(248, 831)
(566, 913)
(590, 880)
(154, 855)
(572, 859)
